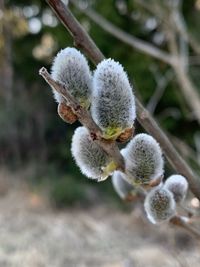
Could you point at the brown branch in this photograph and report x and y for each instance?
(85, 118)
(177, 220)
(175, 159)
(181, 222)
(143, 115)
(74, 28)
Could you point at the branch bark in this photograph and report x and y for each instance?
(181, 222)
(143, 115)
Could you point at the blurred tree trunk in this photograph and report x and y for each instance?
(6, 70)
(6, 81)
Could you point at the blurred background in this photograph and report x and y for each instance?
(50, 214)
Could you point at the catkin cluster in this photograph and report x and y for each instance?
(108, 96)
(112, 102)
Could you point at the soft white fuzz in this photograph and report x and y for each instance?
(113, 104)
(143, 159)
(159, 205)
(90, 158)
(178, 185)
(121, 186)
(71, 68)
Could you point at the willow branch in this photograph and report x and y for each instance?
(181, 222)
(175, 159)
(143, 116)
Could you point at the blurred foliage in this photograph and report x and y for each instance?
(31, 131)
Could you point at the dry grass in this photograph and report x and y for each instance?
(32, 234)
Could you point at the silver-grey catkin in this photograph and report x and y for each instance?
(178, 185)
(159, 205)
(113, 105)
(89, 156)
(71, 68)
(143, 159)
(121, 186)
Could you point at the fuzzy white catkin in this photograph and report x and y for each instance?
(143, 159)
(71, 68)
(178, 185)
(159, 205)
(89, 157)
(113, 105)
(121, 186)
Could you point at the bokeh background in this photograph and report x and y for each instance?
(50, 214)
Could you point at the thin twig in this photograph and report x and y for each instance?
(180, 27)
(182, 222)
(143, 115)
(133, 41)
(177, 220)
(82, 114)
(161, 83)
(194, 60)
(189, 90)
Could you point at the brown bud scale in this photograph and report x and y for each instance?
(126, 135)
(66, 113)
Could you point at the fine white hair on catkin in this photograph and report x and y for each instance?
(113, 104)
(71, 68)
(89, 156)
(121, 186)
(143, 159)
(178, 185)
(159, 205)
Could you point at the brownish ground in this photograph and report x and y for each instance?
(32, 234)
